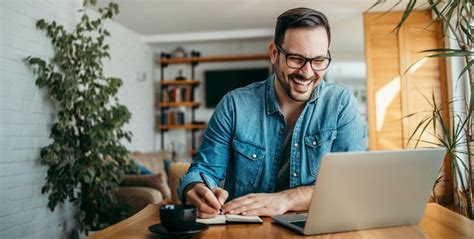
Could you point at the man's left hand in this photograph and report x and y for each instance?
(259, 204)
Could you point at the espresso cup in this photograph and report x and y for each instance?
(177, 217)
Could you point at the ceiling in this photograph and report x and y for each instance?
(169, 20)
(150, 17)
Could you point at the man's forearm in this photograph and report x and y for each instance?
(299, 198)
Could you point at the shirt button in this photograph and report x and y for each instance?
(254, 155)
(295, 174)
(314, 143)
(296, 144)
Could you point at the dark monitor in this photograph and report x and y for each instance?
(219, 82)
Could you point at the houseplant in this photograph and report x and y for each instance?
(456, 133)
(86, 159)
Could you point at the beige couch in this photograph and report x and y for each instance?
(137, 191)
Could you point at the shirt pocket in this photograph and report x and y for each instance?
(248, 159)
(317, 145)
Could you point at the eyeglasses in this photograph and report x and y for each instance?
(296, 61)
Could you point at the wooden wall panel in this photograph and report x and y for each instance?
(399, 71)
(383, 100)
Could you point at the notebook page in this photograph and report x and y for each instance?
(219, 219)
(245, 219)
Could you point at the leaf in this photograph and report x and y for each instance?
(406, 14)
(446, 52)
(41, 24)
(468, 65)
(378, 2)
(465, 30)
(45, 189)
(471, 101)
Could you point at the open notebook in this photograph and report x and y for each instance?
(228, 219)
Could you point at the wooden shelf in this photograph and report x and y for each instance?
(178, 104)
(184, 126)
(179, 82)
(250, 57)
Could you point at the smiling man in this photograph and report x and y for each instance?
(267, 139)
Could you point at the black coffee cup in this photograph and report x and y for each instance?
(177, 217)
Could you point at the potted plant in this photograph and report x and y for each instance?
(456, 133)
(86, 159)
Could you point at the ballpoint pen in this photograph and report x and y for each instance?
(208, 185)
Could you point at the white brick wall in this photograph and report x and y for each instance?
(26, 114)
(130, 57)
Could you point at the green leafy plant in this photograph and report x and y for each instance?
(454, 139)
(86, 159)
(456, 133)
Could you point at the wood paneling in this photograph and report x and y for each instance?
(400, 76)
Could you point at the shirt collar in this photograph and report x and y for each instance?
(271, 98)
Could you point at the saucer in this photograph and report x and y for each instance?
(196, 228)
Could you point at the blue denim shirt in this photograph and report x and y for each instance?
(245, 138)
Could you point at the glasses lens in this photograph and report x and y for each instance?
(295, 61)
(319, 64)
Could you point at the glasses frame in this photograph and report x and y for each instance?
(306, 60)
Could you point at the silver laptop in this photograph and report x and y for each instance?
(364, 190)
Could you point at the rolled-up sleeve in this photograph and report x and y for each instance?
(214, 154)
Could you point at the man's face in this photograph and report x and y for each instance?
(298, 84)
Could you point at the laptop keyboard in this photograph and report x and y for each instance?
(299, 223)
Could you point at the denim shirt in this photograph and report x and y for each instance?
(244, 140)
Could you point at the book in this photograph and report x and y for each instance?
(230, 219)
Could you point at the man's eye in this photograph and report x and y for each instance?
(319, 60)
(296, 59)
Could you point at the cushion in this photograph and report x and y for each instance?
(152, 161)
(137, 198)
(176, 171)
(142, 170)
(157, 181)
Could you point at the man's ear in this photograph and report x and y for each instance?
(272, 52)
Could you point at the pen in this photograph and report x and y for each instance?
(208, 185)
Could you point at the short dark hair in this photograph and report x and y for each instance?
(300, 18)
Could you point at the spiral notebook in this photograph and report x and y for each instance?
(230, 219)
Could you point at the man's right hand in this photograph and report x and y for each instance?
(209, 202)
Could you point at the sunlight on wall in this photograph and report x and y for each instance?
(383, 98)
(386, 94)
(413, 68)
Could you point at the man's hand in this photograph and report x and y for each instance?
(270, 204)
(207, 201)
(259, 204)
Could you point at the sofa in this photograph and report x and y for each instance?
(137, 191)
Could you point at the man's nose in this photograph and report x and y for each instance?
(307, 71)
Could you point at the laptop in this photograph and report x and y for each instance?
(365, 190)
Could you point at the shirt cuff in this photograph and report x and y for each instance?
(191, 177)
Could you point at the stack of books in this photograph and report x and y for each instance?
(177, 94)
(172, 117)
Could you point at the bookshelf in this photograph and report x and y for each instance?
(178, 104)
(175, 94)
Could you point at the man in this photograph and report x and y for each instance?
(267, 139)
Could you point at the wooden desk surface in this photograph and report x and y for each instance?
(438, 222)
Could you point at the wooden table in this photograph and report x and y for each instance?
(438, 222)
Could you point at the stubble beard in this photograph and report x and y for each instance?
(286, 85)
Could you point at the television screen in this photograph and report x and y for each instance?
(219, 82)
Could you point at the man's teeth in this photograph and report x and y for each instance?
(300, 82)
